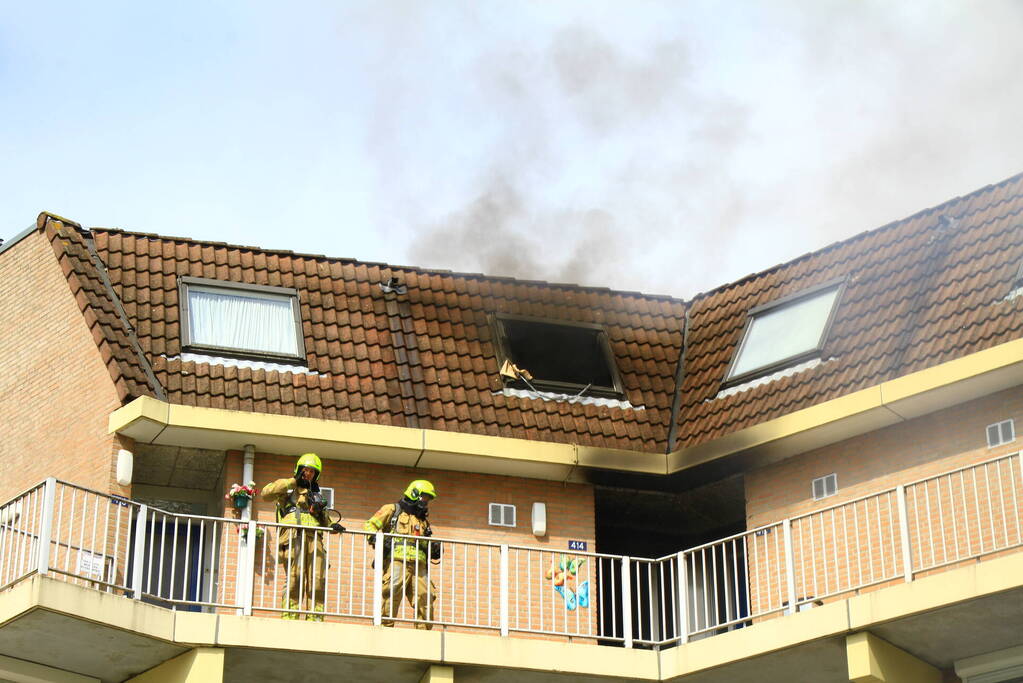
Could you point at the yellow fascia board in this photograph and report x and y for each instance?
(149, 420)
(846, 416)
(972, 376)
(623, 460)
(497, 455)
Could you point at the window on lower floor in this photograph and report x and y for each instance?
(553, 355)
(235, 319)
(783, 333)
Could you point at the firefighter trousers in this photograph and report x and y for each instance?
(304, 561)
(408, 578)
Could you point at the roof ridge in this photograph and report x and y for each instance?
(391, 266)
(891, 225)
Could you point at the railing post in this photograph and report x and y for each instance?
(683, 597)
(907, 552)
(248, 568)
(46, 526)
(138, 552)
(504, 589)
(790, 565)
(378, 579)
(627, 601)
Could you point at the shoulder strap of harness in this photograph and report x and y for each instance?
(393, 522)
(286, 505)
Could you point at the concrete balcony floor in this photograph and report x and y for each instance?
(74, 633)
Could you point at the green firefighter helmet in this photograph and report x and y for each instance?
(310, 460)
(419, 488)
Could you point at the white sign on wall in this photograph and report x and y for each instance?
(91, 565)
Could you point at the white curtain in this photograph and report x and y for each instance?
(241, 322)
(785, 332)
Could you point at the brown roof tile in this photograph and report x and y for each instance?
(915, 296)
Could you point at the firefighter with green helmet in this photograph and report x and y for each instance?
(406, 567)
(301, 551)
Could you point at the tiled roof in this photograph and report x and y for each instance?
(441, 372)
(918, 292)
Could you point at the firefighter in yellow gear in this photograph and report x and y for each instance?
(405, 561)
(301, 552)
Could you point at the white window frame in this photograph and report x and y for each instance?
(504, 507)
(328, 496)
(775, 306)
(998, 427)
(831, 479)
(239, 289)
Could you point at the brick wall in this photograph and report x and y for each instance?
(55, 391)
(883, 459)
(853, 539)
(467, 576)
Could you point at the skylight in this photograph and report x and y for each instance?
(783, 333)
(539, 354)
(230, 318)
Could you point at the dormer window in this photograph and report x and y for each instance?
(555, 355)
(784, 333)
(240, 320)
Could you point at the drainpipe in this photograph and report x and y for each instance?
(243, 585)
(248, 460)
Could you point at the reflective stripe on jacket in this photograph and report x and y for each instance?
(405, 524)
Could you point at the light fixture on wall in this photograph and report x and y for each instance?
(125, 461)
(539, 519)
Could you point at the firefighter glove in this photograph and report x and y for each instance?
(337, 528)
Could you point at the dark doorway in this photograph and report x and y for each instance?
(653, 523)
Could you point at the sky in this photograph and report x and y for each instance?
(664, 147)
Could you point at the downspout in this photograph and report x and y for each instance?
(248, 462)
(676, 401)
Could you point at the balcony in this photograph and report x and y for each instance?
(743, 588)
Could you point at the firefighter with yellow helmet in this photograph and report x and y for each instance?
(405, 560)
(301, 552)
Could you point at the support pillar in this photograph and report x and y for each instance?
(872, 660)
(436, 673)
(201, 665)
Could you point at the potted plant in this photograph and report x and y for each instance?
(240, 494)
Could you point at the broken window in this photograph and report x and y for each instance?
(235, 319)
(783, 333)
(548, 355)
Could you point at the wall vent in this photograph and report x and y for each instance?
(1000, 433)
(502, 514)
(824, 486)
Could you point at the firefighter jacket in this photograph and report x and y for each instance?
(292, 506)
(407, 525)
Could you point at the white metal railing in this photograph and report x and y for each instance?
(207, 563)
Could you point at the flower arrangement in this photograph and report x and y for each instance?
(241, 494)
